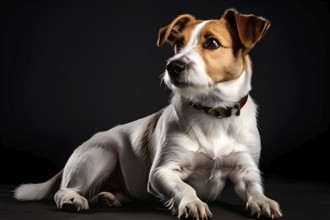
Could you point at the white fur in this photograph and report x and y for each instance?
(193, 154)
(30, 191)
(196, 70)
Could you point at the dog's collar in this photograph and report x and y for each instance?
(220, 112)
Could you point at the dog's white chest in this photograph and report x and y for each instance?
(208, 171)
(206, 175)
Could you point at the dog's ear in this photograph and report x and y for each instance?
(168, 32)
(249, 28)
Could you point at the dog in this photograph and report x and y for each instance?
(184, 154)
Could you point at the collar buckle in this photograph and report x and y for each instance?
(218, 112)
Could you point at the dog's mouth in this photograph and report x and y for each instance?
(180, 83)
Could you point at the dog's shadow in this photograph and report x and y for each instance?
(132, 207)
(230, 204)
(218, 208)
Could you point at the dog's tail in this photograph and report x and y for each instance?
(26, 192)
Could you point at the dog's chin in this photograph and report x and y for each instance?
(189, 90)
(180, 84)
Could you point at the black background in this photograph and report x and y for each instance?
(72, 68)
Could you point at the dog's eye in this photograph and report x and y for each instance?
(211, 43)
(178, 45)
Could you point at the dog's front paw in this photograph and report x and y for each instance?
(263, 206)
(195, 209)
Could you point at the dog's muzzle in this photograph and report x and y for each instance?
(175, 69)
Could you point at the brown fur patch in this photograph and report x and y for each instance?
(226, 62)
(185, 34)
(168, 33)
(145, 147)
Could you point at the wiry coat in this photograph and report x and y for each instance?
(181, 155)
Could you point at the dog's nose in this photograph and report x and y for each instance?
(175, 67)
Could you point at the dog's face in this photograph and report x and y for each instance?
(209, 53)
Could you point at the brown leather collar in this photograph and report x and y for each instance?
(220, 112)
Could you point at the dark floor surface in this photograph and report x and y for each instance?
(299, 199)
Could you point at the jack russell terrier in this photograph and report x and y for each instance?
(184, 154)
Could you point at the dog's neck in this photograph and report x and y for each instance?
(218, 112)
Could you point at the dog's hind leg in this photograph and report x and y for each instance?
(105, 198)
(87, 168)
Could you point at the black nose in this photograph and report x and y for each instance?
(174, 68)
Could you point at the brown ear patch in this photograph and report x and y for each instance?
(249, 28)
(168, 32)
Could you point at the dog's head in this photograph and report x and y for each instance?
(211, 56)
